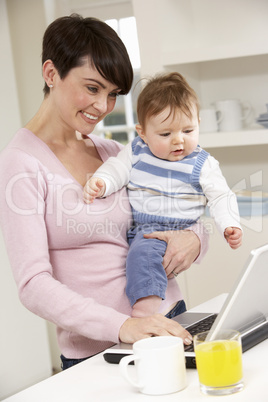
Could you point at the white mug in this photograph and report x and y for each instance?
(209, 121)
(159, 364)
(231, 114)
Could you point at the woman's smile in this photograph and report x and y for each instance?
(89, 116)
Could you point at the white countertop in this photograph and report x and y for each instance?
(95, 380)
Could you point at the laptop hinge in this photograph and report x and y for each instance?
(254, 335)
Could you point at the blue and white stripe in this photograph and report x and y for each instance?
(165, 188)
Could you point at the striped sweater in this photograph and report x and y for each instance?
(162, 191)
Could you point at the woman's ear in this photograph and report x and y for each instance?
(141, 133)
(49, 72)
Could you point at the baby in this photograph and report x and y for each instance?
(170, 180)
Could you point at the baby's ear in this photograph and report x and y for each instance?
(140, 131)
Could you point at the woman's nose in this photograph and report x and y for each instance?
(100, 104)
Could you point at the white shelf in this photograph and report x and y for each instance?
(233, 139)
(205, 54)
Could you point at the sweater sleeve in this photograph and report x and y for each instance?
(222, 201)
(23, 191)
(203, 235)
(115, 172)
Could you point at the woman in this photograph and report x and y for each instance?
(68, 258)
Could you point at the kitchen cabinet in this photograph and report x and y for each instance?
(212, 30)
(222, 50)
(220, 47)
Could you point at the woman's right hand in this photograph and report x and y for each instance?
(135, 329)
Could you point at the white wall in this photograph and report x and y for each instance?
(221, 266)
(24, 350)
(27, 25)
(9, 105)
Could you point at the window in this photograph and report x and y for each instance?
(120, 124)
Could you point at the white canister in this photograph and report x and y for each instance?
(231, 114)
(209, 120)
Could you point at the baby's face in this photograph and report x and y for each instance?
(171, 138)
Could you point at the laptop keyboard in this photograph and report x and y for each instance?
(200, 326)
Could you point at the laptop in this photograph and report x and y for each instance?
(245, 310)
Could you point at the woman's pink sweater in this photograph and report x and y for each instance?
(68, 258)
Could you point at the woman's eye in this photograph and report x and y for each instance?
(114, 95)
(93, 90)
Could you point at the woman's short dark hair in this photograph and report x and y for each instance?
(69, 39)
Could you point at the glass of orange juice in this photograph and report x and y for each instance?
(219, 362)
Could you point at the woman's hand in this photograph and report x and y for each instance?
(183, 247)
(135, 329)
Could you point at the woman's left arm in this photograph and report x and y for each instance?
(183, 247)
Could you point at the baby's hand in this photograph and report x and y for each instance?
(233, 236)
(94, 188)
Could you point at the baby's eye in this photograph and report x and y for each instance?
(165, 134)
(188, 131)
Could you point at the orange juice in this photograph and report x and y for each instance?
(219, 363)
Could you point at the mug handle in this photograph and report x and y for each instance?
(248, 108)
(219, 116)
(123, 365)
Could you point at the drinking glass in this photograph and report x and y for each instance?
(219, 362)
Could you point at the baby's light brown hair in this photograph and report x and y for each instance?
(166, 90)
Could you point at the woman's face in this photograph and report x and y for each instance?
(83, 98)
